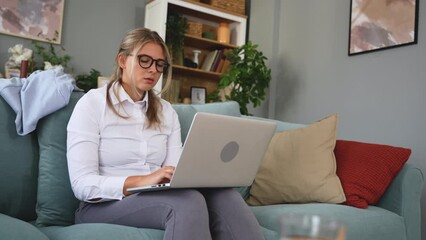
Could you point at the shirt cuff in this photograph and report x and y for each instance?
(112, 189)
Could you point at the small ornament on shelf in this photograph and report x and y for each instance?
(12, 72)
(19, 55)
(194, 29)
(48, 65)
(24, 69)
(195, 60)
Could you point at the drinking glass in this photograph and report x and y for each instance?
(311, 227)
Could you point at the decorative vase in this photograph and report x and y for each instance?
(223, 33)
(24, 69)
(195, 60)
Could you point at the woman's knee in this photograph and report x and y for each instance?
(222, 196)
(190, 202)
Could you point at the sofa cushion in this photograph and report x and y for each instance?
(102, 231)
(112, 232)
(15, 229)
(56, 202)
(18, 168)
(372, 223)
(299, 166)
(269, 234)
(367, 169)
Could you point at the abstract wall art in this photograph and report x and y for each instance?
(382, 24)
(34, 19)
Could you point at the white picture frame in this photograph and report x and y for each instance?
(198, 95)
(102, 81)
(12, 72)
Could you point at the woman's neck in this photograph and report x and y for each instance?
(134, 94)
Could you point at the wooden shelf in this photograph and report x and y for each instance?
(214, 8)
(210, 17)
(198, 73)
(206, 43)
(204, 11)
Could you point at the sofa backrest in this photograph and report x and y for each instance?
(186, 112)
(281, 126)
(18, 167)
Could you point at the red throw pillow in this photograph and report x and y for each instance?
(366, 170)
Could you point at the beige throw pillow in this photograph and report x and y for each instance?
(299, 167)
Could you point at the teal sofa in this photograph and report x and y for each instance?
(36, 201)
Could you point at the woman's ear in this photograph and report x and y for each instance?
(121, 60)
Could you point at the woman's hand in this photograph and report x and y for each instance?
(162, 175)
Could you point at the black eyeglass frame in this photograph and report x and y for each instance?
(157, 61)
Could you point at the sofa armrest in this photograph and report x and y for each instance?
(14, 229)
(403, 198)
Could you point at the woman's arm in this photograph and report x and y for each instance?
(174, 142)
(82, 152)
(174, 149)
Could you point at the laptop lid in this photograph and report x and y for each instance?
(222, 151)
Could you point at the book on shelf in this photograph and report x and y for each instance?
(220, 65)
(217, 59)
(225, 66)
(208, 60)
(223, 62)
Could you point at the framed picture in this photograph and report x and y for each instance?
(102, 81)
(198, 95)
(382, 24)
(36, 19)
(12, 72)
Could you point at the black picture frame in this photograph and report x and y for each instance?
(247, 12)
(198, 95)
(381, 24)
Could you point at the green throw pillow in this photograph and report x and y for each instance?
(56, 202)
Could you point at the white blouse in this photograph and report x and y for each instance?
(103, 149)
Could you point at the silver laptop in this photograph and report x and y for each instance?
(220, 151)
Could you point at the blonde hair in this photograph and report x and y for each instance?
(136, 39)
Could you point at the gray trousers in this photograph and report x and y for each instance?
(184, 214)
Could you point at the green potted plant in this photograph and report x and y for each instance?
(49, 55)
(247, 78)
(175, 34)
(88, 81)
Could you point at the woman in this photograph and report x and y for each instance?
(123, 135)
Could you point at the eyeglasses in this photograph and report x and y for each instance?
(146, 61)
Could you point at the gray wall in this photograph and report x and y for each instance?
(379, 96)
(262, 32)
